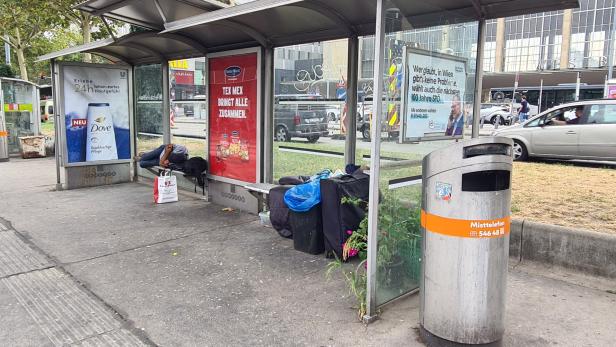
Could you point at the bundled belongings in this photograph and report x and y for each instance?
(339, 217)
(303, 201)
(307, 229)
(196, 167)
(279, 212)
(303, 197)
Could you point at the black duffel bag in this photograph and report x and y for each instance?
(338, 217)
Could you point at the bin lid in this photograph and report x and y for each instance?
(469, 152)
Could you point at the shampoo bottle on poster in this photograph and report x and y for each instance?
(101, 141)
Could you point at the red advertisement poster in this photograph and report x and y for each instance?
(184, 77)
(233, 117)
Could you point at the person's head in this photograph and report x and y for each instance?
(579, 111)
(455, 106)
(177, 158)
(523, 97)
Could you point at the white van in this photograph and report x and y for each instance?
(46, 110)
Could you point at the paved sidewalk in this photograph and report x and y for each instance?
(105, 262)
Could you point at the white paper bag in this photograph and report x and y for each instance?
(165, 188)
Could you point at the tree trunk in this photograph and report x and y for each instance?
(21, 59)
(86, 32)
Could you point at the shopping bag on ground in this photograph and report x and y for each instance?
(165, 188)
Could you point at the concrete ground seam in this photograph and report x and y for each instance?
(64, 310)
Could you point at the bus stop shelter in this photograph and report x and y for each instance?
(185, 29)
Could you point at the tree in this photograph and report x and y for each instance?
(85, 21)
(6, 71)
(22, 21)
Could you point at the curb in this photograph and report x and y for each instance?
(583, 251)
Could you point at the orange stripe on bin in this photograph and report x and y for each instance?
(4, 134)
(473, 228)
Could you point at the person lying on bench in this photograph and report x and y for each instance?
(171, 156)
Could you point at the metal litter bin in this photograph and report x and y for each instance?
(465, 224)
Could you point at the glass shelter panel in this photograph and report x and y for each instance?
(148, 107)
(427, 102)
(309, 108)
(188, 104)
(18, 107)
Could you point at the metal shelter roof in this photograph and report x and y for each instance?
(288, 22)
(278, 23)
(138, 48)
(151, 14)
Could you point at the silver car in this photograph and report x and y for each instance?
(577, 130)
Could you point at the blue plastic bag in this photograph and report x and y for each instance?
(303, 197)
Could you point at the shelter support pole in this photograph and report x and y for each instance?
(55, 81)
(268, 115)
(481, 42)
(164, 66)
(610, 50)
(351, 100)
(375, 159)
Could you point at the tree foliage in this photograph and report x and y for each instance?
(22, 21)
(6, 71)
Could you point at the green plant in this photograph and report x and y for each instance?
(355, 281)
(398, 247)
(6, 71)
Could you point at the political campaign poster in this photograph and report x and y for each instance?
(96, 113)
(233, 140)
(434, 99)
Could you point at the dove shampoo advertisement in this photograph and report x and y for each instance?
(96, 112)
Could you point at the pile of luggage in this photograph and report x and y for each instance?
(310, 210)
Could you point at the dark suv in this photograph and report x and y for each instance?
(294, 119)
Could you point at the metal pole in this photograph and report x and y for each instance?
(351, 126)
(540, 97)
(7, 51)
(373, 207)
(268, 115)
(515, 86)
(164, 66)
(610, 53)
(56, 116)
(577, 87)
(481, 42)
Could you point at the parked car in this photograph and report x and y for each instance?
(297, 120)
(577, 130)
(490, 113)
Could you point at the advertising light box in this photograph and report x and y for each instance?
(95, 107)
(434, 100)
(234, 117)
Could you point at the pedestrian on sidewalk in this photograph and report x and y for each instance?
(523, 111)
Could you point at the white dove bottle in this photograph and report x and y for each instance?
(101, 142)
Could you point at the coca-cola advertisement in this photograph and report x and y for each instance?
(233, 116)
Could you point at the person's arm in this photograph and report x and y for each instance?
(164, 159)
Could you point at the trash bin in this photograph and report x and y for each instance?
(465, 225)
(32, 146)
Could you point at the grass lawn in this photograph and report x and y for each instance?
(566, 195)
